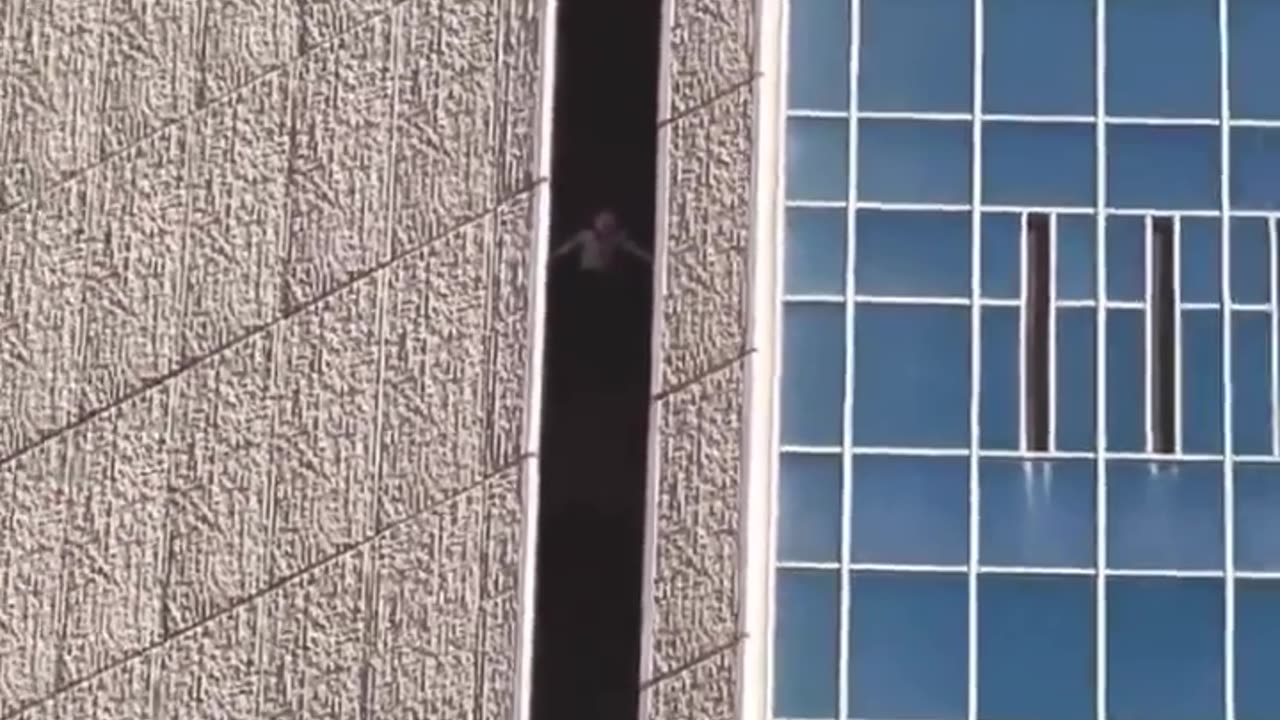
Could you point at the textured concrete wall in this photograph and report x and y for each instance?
(707, 145)
(264, 289)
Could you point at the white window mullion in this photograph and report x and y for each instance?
(975, 358)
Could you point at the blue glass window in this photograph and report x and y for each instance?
(1164, 516)
(807, 644)
(1255, 55)
(815, 251)
(908, 646)
(1001, 256)
(1257, 649)
(920, 254)
(812, 374)
(1162, 58)
(809, 518)
(1250, 261)
(998, 397)
(1201, 265)
(1201, 387)
(910, 510)
(1077, 392)
(1126, 381)
(903, 395)
(1163, 167)
(817, 159)
(1039, 57)
(1037, 514)
(1255, 167)
(1164, 648)
(1126, 258)
(1038, 164)
(917, 56)
(1257, 506)
(1251, 390)
(916, 161)
(1076, 257)
(1030, 668)
(818, 73)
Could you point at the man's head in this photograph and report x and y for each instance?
(605, 222)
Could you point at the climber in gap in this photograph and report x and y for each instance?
(599, 285)
(598, 246)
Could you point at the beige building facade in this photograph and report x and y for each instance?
(271, 293)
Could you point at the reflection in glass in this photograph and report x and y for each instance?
(1255, 168)
(1257, 506)
(1126, 381)
(1076, 257)
(1255, 55)
(914, 161)
(911, 376)
(1201, 387)
(1030, 70)
(917, 254)
(818, 68)
(1164, 516)
(917, 56)
(1251, 391)
(1201, 265)
(1001, 256)
(1164, 648)
(809, 495)
(817, 159)
(1257, 649)
(1077, 393)
(998, 396)
(908, 643)
(1250, 261)
(1035, 647)
(812, 374)
(815, 247)
(1037, 514)
(1163, 167)
(1126, 258)
(1038, 164)
(1162, 58)
(806, 643)
(910, 510)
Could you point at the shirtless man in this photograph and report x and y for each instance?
(598, 246)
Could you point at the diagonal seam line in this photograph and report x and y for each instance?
(717, 97)
(283, 67)
(271, 587)
(694, 661)
(253, 332)
(706, 373)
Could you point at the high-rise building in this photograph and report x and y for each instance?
(965, 389)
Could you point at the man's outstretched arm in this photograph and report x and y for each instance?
(573, 242)
(635, 250)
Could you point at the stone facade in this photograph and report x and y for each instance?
(265, 333)
(264, 347)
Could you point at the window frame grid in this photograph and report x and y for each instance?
(1101, 305)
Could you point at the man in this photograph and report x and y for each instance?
(598, 246)
(599, 294)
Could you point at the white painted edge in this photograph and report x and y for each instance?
(758, 490)
(531, 441)
(653, 440)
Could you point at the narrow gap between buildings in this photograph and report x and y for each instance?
(596, 386)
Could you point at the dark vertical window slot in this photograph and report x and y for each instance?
(1038, 304)
(1164, 341)
(596, 382)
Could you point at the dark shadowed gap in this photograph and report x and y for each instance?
(1164, 338)
(596, 386)
(1038, 306)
